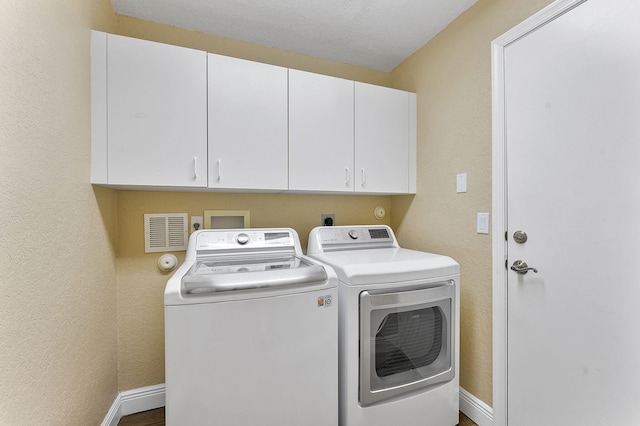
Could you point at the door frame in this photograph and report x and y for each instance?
(499, 194)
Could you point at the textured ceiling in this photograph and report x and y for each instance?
(376, 34)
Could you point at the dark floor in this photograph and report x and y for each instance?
(146, 418)
(466, 421)
(156, 418)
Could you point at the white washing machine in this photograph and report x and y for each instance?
(399, 328)
(251, 333)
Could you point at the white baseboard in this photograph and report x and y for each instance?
(135, 401)
(151, 397)
(475, 409)
(114, 414)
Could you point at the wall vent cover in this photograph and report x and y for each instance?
(165, 232)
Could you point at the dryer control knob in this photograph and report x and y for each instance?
(354, 234)
(242, 239)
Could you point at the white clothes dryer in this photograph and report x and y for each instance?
(251, 333)
(398, 319)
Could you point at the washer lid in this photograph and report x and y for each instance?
(387, 265)
(230, 273)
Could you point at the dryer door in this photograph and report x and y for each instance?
(406, 341)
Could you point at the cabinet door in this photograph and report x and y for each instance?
(247, 124)
(157, 113)
(320, 132)
(382, 139)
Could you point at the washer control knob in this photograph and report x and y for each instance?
(354, 234)
(242, 239)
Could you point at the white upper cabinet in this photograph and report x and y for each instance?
(320, 132)
(172, 117)
(149, 117)
(385, 140)
(247, 124)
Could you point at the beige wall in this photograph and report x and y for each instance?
(58, 358)
(452, 76)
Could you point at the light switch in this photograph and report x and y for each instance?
(461, 182)
(483, 223)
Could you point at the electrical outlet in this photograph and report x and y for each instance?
(196, 223)
(328, 219)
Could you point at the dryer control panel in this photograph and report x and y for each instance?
(331, 238)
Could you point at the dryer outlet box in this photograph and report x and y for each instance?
(196, 223)
(328, 220)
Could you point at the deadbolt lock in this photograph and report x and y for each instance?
(520, 237)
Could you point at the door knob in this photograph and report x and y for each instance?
(521, 267)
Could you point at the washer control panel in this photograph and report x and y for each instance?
(245, 239)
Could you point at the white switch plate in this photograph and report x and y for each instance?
(461, 182)
(483, 223)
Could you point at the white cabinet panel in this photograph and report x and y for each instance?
(383, 118)
(320, 132)
(247, 124)
(99, 140)
(156, 114)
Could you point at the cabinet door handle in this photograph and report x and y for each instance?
(219, 170)
(195, 167)
(363, 176)
(347, 176)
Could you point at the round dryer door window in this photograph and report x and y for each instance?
(406, 341)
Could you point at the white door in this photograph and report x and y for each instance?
(247, 124)
(320, 132)
(571, 123)
(157, 113)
